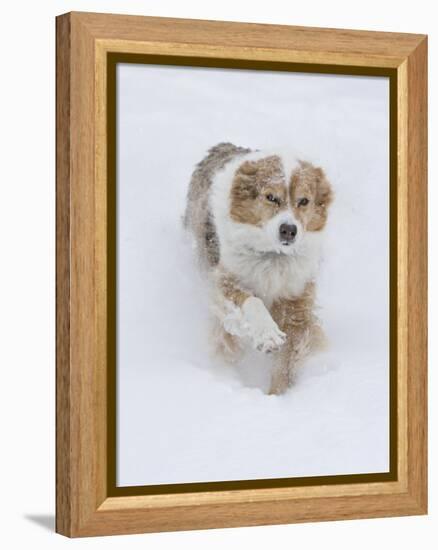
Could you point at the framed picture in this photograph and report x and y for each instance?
(241, 274)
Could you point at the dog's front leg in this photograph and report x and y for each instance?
(289, 358)
(295, 317)
(281, 377)
(246, 316)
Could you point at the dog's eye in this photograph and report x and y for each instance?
(303, 202)
(270, 197)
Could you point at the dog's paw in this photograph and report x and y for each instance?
(268, 339)
(259, 326)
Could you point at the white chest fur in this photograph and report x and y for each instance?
(273, 276)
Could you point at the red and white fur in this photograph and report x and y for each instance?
(258, 219)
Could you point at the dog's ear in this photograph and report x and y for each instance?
(248, 168)
(245, 182)
(316, 181)
(323, 189)
(323, 198)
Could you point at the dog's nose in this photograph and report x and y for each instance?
(288, 232)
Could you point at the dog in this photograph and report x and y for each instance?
(257, 219)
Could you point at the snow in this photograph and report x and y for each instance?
(182, 416)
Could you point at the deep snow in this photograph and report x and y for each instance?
(182, 417)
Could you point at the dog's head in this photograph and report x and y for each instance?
(275, 208)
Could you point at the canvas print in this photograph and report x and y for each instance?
(252, 274)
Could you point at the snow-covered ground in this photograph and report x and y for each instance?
(181, 416)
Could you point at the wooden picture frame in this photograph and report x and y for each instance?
(88, 46)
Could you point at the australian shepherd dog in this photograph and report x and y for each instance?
(257, 219)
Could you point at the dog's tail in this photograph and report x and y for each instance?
(197, 218)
